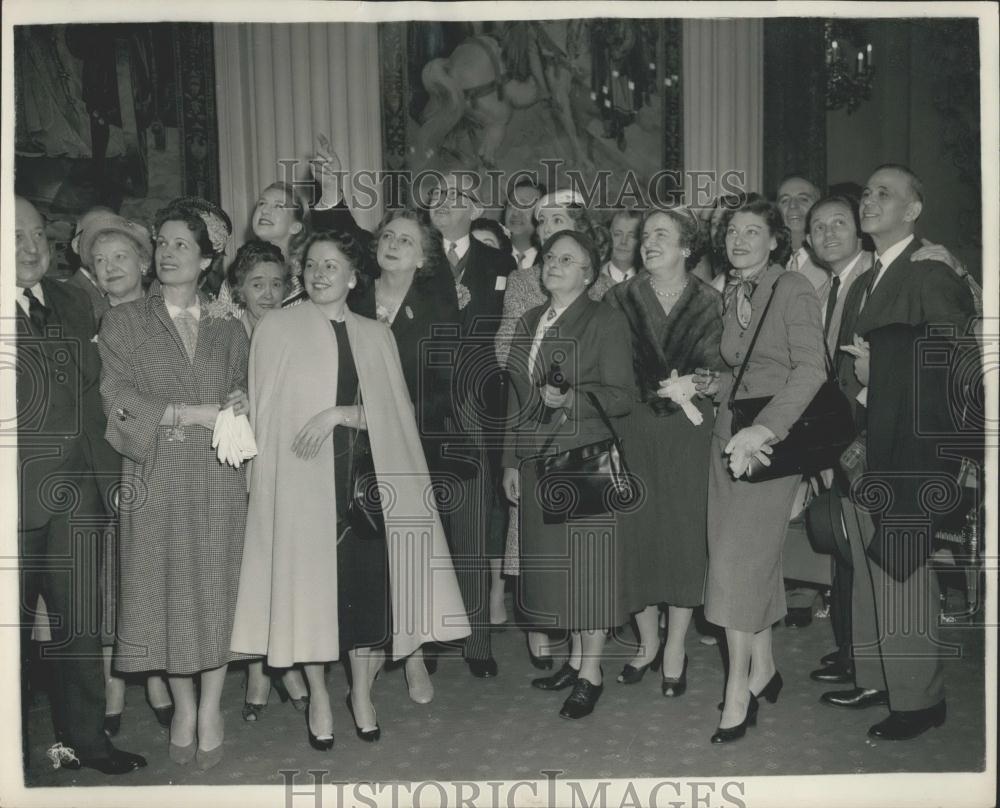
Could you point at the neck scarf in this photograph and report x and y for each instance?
(740, 288)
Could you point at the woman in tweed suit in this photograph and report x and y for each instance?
(747, 521)
(170, 363)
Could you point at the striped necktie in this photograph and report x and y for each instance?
(187, 328)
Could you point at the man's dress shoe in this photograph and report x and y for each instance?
(856, 699)
(836, 673)
(483, 668)
(562, 678)
(829, 659)
(903, 725)
(582, 700)
(116, 761)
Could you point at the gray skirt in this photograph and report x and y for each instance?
(747, 523)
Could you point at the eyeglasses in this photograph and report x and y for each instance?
(562, 261)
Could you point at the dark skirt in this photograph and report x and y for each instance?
(570, 573)
(665, 549)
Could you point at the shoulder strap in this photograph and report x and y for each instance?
(753, 342)
(600, 411)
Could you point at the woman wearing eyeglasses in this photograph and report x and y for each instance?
(412, 293)
(568, 569)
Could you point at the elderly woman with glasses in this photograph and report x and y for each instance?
(572, 347)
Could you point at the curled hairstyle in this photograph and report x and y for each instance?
(348, 244)
(771, 214)
(247, 257)
(689, 227)
(494, 227)
(431, 243)
(300, 210)
(585, 243)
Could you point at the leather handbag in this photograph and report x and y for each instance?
(364, 503)
(815, 441)
(585, 481)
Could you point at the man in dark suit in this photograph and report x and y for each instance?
(60, 437)
(888, 312)
(480, 274)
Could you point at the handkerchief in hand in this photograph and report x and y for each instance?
(680, 390)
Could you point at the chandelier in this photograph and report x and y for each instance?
(849, 69)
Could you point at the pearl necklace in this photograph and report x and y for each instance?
(667, 293)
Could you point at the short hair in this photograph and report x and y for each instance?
(598, 234)
(349, 244)
(431, 242)
(771, 214)
(797, 176)
(248, 256)
(836, 199)
(494, 227)
(188, 209)
(689, 227)
(635, 214)
(916, 185)
(585, 243)
(300, 210)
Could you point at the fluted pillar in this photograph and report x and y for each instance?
(281, 84)
(724, 98)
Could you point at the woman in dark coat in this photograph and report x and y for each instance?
(676, 324)
(747, 521)
(170, 363)
(413, 292)
(569, 571)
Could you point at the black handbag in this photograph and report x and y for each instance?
(815, 441)
(364, 503)
(586, 481)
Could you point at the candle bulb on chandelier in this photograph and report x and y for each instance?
(868, 53)
(858, 64)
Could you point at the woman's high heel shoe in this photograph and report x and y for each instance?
(672, 687)
(727, 734)
(319, 744)
(366, 735)
(631, 674)
(771, 690)
(299, 704)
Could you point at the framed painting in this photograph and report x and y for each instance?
(114, 115)
(572, 100)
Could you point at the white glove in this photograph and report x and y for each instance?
(233, 439)
(680, 390)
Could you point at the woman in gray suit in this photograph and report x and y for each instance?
(567, 569)
(747, 521)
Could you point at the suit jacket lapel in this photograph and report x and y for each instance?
(158, 307)
(888, 287)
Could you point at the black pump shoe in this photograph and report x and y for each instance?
(727, 734)
(671, 687)
(770, 691)
(319, 744)
(366, 735)
(632, 674)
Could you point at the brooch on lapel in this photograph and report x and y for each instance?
(219, 310)
(94, 339)
(409, 313)
(464, 295)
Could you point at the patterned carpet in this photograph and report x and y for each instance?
(504, 729)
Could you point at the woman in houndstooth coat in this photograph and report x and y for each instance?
(170, 363)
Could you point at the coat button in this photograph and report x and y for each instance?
(739, 354)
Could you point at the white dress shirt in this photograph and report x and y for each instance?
(527, 258)
(22, 301)
(194, 310)
(891, 255)
(616, 274)
(546, 322)
(461, 246)
(844, 275)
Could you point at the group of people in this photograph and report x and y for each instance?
(401, 386)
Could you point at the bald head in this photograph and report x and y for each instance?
(32, 245)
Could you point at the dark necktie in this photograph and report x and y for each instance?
(876, 269)
(38, 312)
(831, 304)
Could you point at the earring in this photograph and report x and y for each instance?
(686, 253)
(351, 283)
